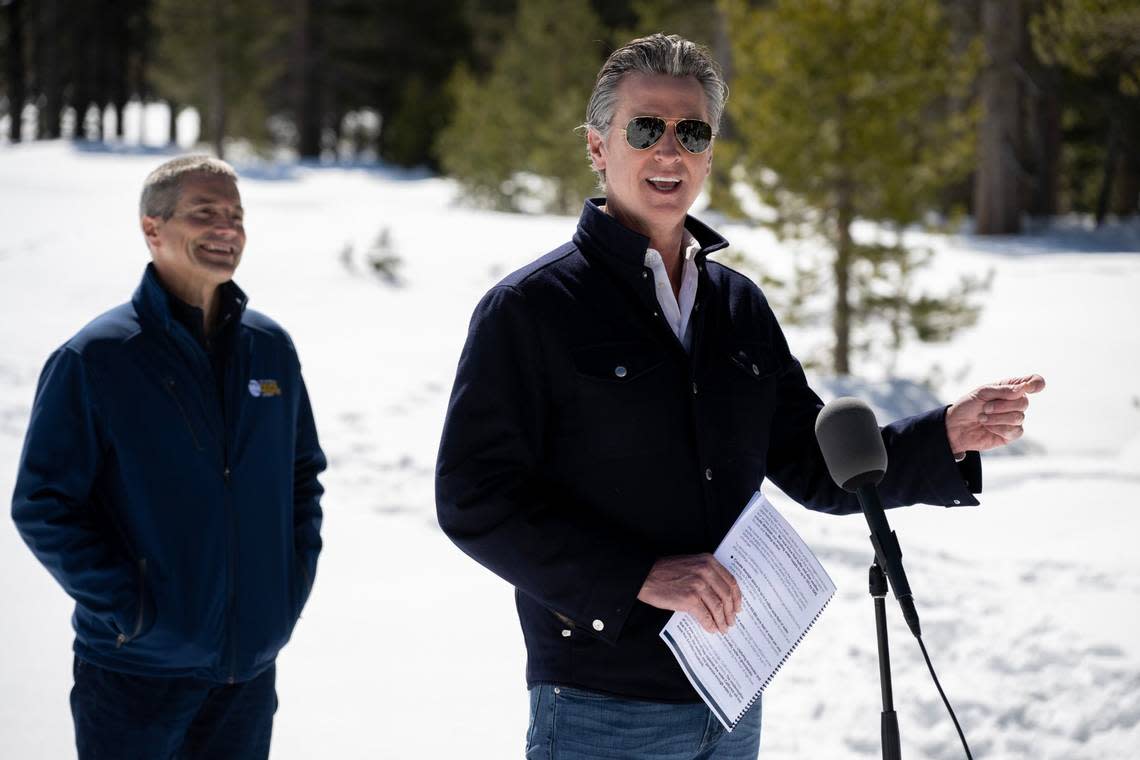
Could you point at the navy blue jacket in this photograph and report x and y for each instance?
(185, 526)
(582, 443)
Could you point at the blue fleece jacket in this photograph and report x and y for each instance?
(185, 523)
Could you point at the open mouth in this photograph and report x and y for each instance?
(664, 184)
(218, 249)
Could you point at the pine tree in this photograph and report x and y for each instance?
(214, 55)
(841, 113)
(1096, 42)
(520, 119)
(696, 20)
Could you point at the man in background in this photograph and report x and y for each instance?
(168, 481)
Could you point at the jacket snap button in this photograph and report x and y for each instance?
(565, 633)
(708, 473)
(620, 371)
(694, 389)
(755, 370)
(599, 625)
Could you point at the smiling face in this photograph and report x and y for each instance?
(200, 245)
(651, 190)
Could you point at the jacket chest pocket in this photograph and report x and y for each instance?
(622, 401)
(749, 378)
(755, 366)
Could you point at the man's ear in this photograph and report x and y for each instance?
(150, 225)
(597, 149)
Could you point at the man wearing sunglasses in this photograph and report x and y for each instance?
(617, 403)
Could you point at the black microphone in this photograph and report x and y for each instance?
(853, 449)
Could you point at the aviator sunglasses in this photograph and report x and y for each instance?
(643, 132)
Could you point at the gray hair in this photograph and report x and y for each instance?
(672, 55)
(163, 185)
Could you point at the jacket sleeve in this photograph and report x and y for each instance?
(491, 498)
(53, 506)
(920, 465)
(308, 463)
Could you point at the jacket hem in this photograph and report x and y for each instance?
(612, 690)
(120, 665)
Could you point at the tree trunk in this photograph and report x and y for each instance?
(218, 116)
(217, 98)
(843, 254)
(997, 207)
(54, 52)
(120, 73)
(172, 136)
(99, 93)
(81, 101)
(16, 92)
(845, 213)
(82, 73)
(308, 79)
(722, 44)
(381, 139)
(141, 41)
(1126, 195)
(1046, 138)
(1111, 159)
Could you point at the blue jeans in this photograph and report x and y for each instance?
(125, 717)
(574, 724)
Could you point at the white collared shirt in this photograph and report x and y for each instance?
(677, 311)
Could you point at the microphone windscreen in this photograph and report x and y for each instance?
(852, 446)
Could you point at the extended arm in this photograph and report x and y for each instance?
(921, 466)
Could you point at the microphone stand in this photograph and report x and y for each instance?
(856, 457)
(889, 727)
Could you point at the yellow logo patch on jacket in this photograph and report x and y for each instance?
(264, 388)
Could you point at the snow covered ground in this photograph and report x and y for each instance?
(1030, 603)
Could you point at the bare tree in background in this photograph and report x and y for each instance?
(997, 192)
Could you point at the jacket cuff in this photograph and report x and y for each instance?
(970, 470)
(614, 596)
(955, 483)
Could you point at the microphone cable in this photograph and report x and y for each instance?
(945, 701)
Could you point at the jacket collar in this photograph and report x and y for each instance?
(602, 233)
(153, 304)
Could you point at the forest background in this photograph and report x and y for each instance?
(1008, 114)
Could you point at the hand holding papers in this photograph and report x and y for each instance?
(784, 589)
